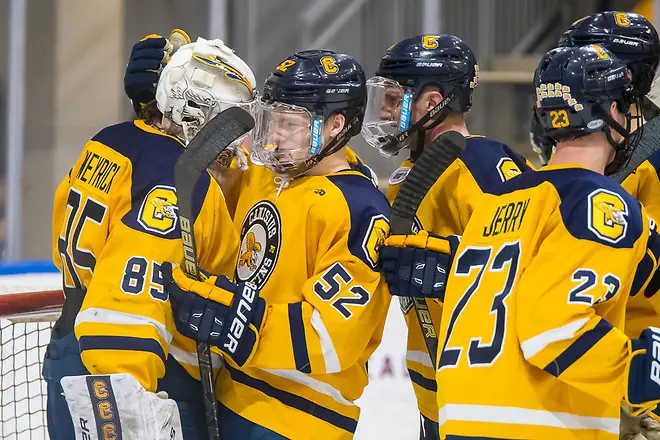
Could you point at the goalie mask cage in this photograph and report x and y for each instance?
(30, 301)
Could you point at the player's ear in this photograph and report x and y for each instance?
(617, 113)
(335, 123)
(433, 98)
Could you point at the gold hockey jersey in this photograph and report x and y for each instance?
(311, 248)
(644, 185)
(531, 340)
(115, 222)
(446, 210)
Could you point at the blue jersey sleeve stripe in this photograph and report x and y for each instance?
(297, 328)
(300, 403)
(578, 348)
(418, 379)
(126, 343)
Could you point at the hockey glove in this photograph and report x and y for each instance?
(148, 56)
(417, 265)
(644, 371)
(216, 311)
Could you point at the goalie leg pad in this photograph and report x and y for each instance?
(116, 406)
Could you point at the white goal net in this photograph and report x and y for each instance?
(30, 303)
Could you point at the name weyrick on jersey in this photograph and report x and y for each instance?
(103, 171)
(507, 218)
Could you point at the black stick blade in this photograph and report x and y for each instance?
(202, 150)
(648, 145)
(434, 160)
(213, 138)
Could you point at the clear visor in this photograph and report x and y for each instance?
(388, 113)
(286, 135)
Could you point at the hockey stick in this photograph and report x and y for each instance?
(648, 144)
(434, 160)
(202, 150)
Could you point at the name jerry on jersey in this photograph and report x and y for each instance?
(507, 218)
(98, 171)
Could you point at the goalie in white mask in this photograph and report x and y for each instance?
(115, 353)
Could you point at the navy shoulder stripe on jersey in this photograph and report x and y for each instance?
(593, 207)
(367, 205)
(486, 159)
(152, 157)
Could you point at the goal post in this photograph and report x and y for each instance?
(31, 298)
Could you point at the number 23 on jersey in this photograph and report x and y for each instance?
(485, 262)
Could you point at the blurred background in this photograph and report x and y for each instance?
(62, 81)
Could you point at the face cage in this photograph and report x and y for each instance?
(197, 117)
(388, 114)
(280, 126)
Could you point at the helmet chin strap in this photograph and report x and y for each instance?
(624, 148)
(436, 117)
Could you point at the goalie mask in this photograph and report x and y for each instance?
(406, 70)
(201, 80)
(299, 97)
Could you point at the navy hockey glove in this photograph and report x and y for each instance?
(418, 265)
(216, 311)
(144, 66)
(148, 56)
(644, 371)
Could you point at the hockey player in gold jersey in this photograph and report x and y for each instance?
(634, 40)
(115, 222)
(413, 79)
(308, 306)
(532, 343)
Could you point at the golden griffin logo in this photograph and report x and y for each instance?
(231, 72)
(109, 431)
(622, 19)
(329, 65)
(249, 257)
(600, 52)
(100, 389)
(163, 208)
(430, 41)
(475, 81)
(612, 215)
(507, 169)
(105, 410)
(379, 230)
(158, 212)
(607, 215)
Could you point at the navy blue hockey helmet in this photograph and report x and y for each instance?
(408, 67)
(575, 87)
(631, 37)
(298, 97)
